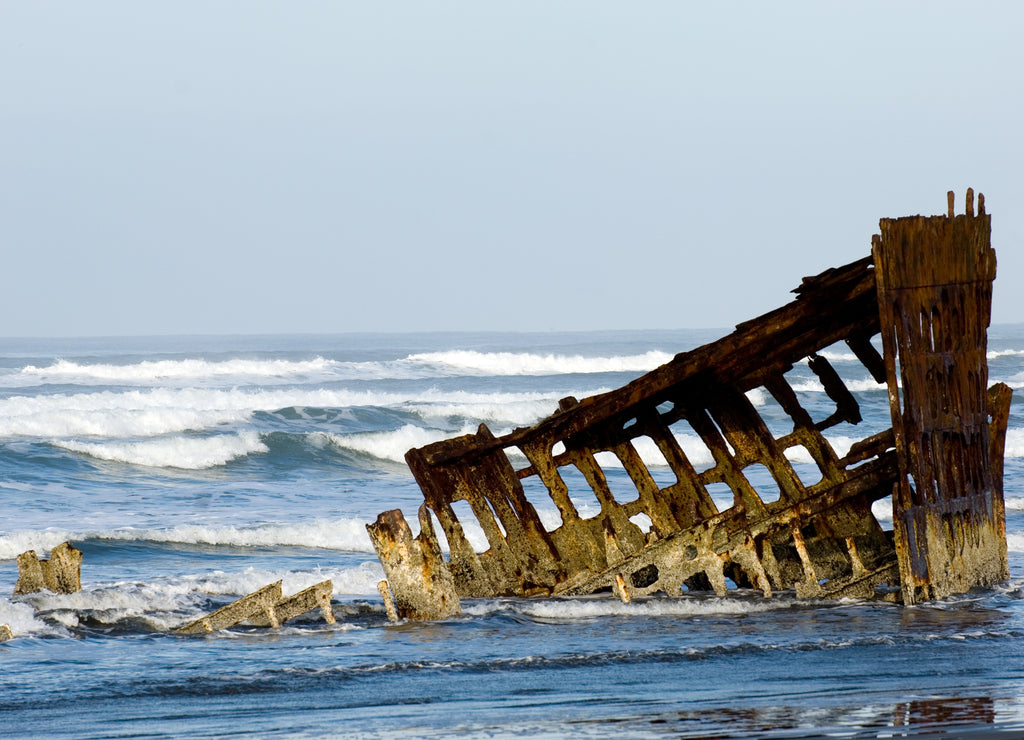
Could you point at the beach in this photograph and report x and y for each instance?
(193, 470)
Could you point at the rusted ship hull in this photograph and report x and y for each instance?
(926, 289)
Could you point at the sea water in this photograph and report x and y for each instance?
(191, 471)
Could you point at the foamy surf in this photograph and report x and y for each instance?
(162, 371)
(191, 473)
(525, 363)
(345, 535)
(857, 385)
(577, 609)
(165, 411)
(22, 620)
(162, 604)
(449, 363)
(187, 453)
(388, 445)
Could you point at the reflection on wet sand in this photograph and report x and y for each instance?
(947, 716)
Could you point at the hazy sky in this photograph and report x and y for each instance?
(264, 167)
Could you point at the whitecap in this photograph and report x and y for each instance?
(161, 371)
(187, 453)
(22, 620)
(344, 534)
(525, 363)
(588, 608)
(859, 385)
(1014, 443)
(164, 603)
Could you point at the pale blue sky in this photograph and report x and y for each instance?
(264, 167)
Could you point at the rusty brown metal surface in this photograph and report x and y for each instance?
(814, 534)
(934, 277)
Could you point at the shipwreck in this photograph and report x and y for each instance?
(914, 312)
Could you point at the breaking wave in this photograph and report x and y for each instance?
(812, 385)
(1014, 443)
(319, 369)
(345, 535)
(141, 413)
(520, 363)
(161, 371)
(187, 453)
(164, 603)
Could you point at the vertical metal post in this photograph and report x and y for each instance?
(934, 279)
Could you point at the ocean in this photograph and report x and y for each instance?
(193, 470)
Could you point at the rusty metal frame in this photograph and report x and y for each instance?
(820, 539)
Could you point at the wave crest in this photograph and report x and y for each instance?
(344, 535)
(525, 363)
(186, 453)
(159, 371)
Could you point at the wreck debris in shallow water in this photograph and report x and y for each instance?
(266, 607)
(926, 288)
(61, 574)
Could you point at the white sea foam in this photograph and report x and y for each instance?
(13, 544)
(525, 363)
(189, 453)
(130, 414)
(589, 608)
(502, 408)
(162, 604)
(860, 385)
(347, 535)
(390, 445)
(246, 371)
(1014, 443)
(22, 620)
(1016, 382)
(700, 456)
(993, 354)
(833, 356)
(1015, 541)
(161, 371)
(143, 413)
